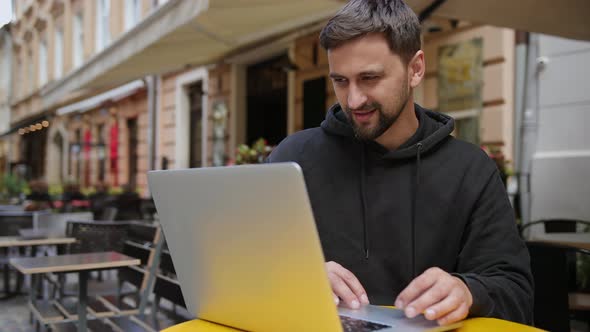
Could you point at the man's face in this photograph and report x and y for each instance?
(371, 84)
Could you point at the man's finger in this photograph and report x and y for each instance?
(336, 299)
(444, 307)
(431, 296)
(418, 286)
(354, 284)
(454, 316)
(351, 280)
(341, 289)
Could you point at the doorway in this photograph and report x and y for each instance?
(314, 102)
(266, 100)
(34, 152)
(132, 151)
(195, 101)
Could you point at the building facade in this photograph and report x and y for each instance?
(302, 93)
(178, 102)
(52, 40)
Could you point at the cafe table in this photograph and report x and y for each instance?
(7, 242)
(81, 263)
(17, 241)
(469, 325)
(577, 240)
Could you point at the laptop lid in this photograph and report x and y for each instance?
(245, 247)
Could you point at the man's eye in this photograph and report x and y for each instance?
(369, 78)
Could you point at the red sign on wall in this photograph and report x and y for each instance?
(114, 153)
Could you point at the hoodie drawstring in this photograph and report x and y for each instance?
(364, 203)
(414, 205)
(414, 199)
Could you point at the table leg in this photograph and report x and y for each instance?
(33, 295)
(6, 273)
(82, 298)
(19, 276)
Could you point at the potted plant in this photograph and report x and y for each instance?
(255, 154)
(12, 188)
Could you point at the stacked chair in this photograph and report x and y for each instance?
(558, 298)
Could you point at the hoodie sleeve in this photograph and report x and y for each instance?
(494, 261)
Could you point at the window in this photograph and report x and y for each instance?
(30, 72)
(58, 54)
(101, 152)
(5, 79)
(19, 83)
(466, 125)
(75, 154)
(43, 63)
(103, 31)
(468, 129)
(132, 13)
(78, 40)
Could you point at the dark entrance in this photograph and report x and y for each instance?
(195, 97)
(132, 151)
(267, 101)
(33, 149)
(314, 102)
(58, 141)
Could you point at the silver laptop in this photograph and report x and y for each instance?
(247, 254)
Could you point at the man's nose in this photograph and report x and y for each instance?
(356, 98)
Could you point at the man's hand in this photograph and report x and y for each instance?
(439, 295)
(346, 286)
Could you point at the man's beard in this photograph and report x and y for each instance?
(384, 121)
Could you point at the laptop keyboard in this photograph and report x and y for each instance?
(359, 325)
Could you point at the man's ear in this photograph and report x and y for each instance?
(416, 69)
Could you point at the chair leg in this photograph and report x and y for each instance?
(6, 279)
(155, 307)
(119, 296)
(61, 281)
(54, 289)
(19, 283)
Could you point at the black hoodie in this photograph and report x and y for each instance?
(387, 216)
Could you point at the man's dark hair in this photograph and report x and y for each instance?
(393, 18)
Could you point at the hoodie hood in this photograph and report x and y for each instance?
(433, 128)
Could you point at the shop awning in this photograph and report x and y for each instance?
(94, 102)
(564, 18)
(27, 122)
(184, 33)
(200, 32)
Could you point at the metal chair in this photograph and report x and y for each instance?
(549, 265)
(11, 208)
(10, 224)
(167, 287)
(96, 236)
(91, 236)
(12, 221)
(109, 213)
(557, 225)
(141, 241)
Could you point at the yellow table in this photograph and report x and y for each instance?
(469, 325)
